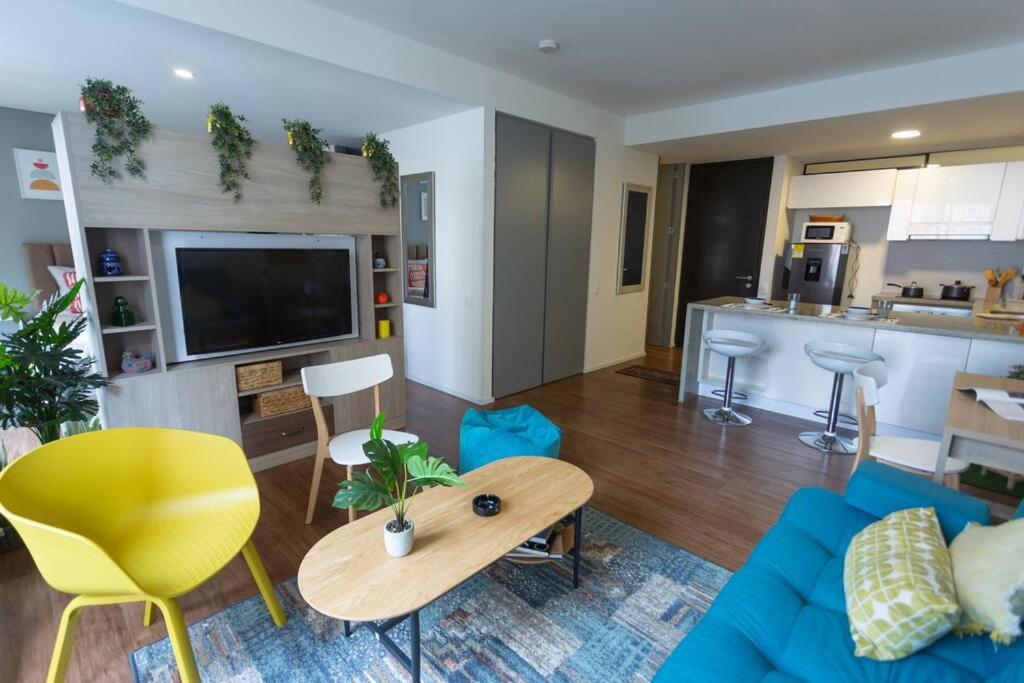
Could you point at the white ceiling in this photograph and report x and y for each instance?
(48, 48)
(632, 56)
(961, 124)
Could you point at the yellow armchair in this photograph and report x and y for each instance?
(135, 515)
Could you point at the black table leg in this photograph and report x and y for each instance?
(577, 546)
(414, 638)
(347, 626)
(410, 662)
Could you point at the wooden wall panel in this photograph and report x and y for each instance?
(181, 190)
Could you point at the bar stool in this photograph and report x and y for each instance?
(841, 360)
(731, 344)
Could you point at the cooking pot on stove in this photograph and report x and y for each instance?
(911, 291)
(957, 291)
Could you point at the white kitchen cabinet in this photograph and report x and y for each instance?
(1009, 220)
(921, 368)
(994, 357)
(902, 201)
(949, 202)
(831, 190)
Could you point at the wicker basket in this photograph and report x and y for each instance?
(279, 401)
(259, 375)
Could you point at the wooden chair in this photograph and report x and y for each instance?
(918, 456)
(340, 379)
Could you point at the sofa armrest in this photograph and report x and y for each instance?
(879, 490)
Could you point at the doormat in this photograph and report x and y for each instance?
(991, 480)
(653, 374)
(638, 597)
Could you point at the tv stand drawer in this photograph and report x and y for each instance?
(277, 433)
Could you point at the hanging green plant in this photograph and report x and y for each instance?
(385, 168)
(233, 143)
(120, 127)
(311, 149)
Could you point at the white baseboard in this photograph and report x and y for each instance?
(448, 390)
(602, 366)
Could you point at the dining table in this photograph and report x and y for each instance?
(974, 433)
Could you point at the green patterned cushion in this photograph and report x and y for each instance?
(899, 585)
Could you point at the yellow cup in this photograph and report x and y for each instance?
(383, 329)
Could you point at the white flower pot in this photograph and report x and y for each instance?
(399, 544)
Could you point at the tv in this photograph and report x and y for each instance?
(228, 293)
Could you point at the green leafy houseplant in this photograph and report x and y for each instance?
(311, 149)
(233, 143)
(1016, 371)
(385, 169)
(120, 127)
(394, 475)
(44, 382)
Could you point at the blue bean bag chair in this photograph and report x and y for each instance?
(489, 435)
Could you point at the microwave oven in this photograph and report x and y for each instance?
(825, 232)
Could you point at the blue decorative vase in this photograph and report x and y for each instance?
(110, 263)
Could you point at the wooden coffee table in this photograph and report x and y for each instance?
(348, 575)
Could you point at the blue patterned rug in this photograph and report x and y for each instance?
(638, 597)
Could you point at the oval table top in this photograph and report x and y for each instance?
(348, 574)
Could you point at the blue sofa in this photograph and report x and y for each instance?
(782, 616)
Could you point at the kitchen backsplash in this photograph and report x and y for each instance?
(929, 262)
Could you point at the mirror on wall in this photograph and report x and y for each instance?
(418, 238)
(636, 203)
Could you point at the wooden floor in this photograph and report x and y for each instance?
(656, 464)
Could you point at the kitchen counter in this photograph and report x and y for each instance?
(922, 353)
(967, 327)
(924, 301)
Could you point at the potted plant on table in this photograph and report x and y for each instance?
(44, 381)
(395, 474)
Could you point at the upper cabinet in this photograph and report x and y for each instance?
(841, 190)
(976, 201)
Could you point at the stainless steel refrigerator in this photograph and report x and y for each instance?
(819, 272)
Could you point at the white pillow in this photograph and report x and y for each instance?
(988, 570)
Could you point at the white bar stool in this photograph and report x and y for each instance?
(915, 455)
(731, 344)
(841, 360)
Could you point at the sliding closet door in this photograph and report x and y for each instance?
(522, 151)
(570, 208)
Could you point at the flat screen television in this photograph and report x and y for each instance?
(234, 292)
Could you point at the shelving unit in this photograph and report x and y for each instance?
(388, 279)
(177, 194)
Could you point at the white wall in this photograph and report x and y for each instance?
(616, 323)
(444, 347)
(976, 74)
(776, 229)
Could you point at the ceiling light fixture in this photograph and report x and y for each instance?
(184, 73)
(934, 165)
(547, 46)
(906, 134)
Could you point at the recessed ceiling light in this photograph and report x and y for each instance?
(184, 73)
(904, 134)
(934, 165)
(547, 46)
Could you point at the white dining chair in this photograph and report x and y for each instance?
(915, 455)
(340, 379)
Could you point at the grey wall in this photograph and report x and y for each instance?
(24, 220)
(929, 262)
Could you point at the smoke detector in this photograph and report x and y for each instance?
(547, 46)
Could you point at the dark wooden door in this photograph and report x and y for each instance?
(726, 209)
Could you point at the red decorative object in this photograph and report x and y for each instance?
(382, 297)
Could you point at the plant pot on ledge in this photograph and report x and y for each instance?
(398, 543)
